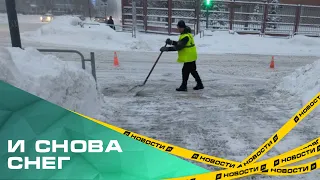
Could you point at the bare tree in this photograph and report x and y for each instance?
(80, 6)
(48, 5)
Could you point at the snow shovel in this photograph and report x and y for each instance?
(145, 81)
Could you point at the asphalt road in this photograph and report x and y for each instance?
(23, 27)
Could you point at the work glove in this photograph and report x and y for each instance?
(169, 41)
(164, 49)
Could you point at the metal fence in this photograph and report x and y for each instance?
(161, 16)
(83, 60)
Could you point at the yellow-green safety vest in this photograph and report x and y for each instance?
(189, 52)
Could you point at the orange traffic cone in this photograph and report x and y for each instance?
(115, 59)
(272, 63)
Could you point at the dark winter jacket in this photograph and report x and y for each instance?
(111, 24)
(178, 45)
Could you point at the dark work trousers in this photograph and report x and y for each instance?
(190, 67)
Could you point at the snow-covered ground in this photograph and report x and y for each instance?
(243, 104)
(65, 31)
(97, 36)
(233, 116)
(104, 37)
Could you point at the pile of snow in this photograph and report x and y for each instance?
(227, 42)
(305, 41)
(50, 78)
(208, 33)
(303, 83)
(61, 25)
(66, 30)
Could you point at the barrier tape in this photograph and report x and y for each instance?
(212, 160)
(181, 151)
(258, 167)
(172, 149)
(283, 170)
(282, 132)
(295, 170)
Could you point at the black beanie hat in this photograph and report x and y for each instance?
(181, 24)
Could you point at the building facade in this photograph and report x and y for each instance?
(243, 16)
(303, 2)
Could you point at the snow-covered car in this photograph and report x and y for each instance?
(81, 17)
(46, 18)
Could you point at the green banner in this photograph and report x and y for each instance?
(32, 129)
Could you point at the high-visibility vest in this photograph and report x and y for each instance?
(189, 52)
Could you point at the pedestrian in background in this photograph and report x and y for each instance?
(110, 22)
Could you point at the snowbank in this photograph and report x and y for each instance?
(224, 42)
(65, 31)
(303, 83)
(50, 78)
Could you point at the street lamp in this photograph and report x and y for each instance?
(13, 23)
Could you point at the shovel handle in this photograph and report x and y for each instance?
(154, 65)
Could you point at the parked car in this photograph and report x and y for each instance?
(100, 19)
(46, 18)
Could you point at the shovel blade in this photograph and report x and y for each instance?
(135, 87)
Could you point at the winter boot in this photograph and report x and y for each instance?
(198, 80)
(183, 87)
(185, 77)
(199, 86)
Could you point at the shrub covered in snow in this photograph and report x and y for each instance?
(50, 78)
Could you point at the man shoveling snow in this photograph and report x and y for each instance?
(187, 54)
